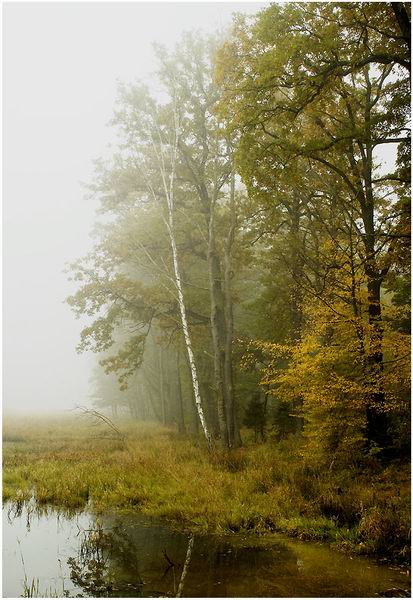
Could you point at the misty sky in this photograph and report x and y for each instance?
(61, 62)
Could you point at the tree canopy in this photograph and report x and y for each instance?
(253, 259)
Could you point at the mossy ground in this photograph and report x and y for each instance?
(261, 487)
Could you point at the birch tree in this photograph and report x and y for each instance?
(152, 134)
(169, 197)
(207, 166)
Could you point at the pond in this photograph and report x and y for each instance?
(48, 553)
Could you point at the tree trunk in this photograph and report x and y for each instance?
(403, 20)
(162, 386)
(132, 409)
(296, 271)
(187, 338)
(212, 408)
(218, 330)
(169, 194)
(377, 421)
(194, 419)
(180, 406)
(234, 437)
(150, 390)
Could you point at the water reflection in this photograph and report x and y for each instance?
(107, 563)
(131, 556)
(216, 566)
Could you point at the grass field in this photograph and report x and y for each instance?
(261, 487)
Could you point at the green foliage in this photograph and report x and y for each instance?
(313, 92)
(304, 96)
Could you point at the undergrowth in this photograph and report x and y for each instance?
(261, 488)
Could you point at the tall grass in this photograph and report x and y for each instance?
(266, 487)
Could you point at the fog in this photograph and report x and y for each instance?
(61, 63)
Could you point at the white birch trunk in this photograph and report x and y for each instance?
(185, 329)
(186, 566)
(169, 194)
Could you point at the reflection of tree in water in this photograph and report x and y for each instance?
(106, 565)
(114, 560)
(130, 556)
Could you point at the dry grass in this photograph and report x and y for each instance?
(69, 462)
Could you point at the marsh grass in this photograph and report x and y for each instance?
(69, 463)
(32, 590)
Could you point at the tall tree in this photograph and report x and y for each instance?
(206, 167)
(328, 84)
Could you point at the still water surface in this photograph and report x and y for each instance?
(128, 555)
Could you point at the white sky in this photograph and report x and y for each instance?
(61, 62)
